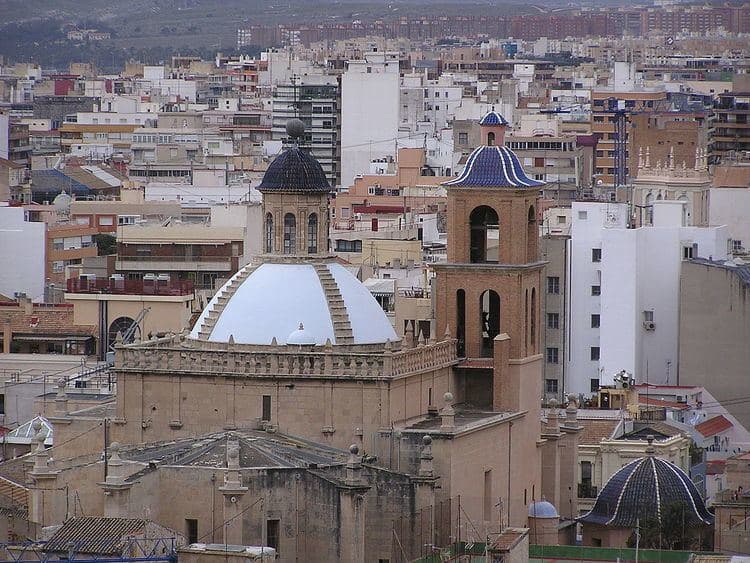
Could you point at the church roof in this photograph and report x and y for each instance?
(276, 297)
(294, 170)
(493, 118)
(644, 489)
(493, 167)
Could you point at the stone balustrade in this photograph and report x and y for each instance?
(179, 355)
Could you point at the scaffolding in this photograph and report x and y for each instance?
(128, 550)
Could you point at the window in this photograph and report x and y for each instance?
(312, 233)
(595, 320)
(58, 266)
(348, 246)
(57, 244)
(106, 221)
(737, 245)
(490, 139)
(687, 252)
(272, 534)
(648, 316)
(553, 355)
(596, 254)
(553, 284)
(266, 414)
(594, 385)
(463, 138)
(484, 243)
(550, 386)
(561, 219)
(596, 290)
(487, 495)
(489, 309)
(290, 234)
(191, 530)
(583, 215)
(594, 353)
(553, 320)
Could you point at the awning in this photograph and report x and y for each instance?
(47, 338)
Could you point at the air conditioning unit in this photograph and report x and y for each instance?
(87, 277)
(117, 277)
(649, 325)
(681, 399)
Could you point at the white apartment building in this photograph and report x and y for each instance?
(623, 292)
(428, 106)
(369, 113)
(22, 253)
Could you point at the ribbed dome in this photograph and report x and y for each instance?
(493, 118)
(272, 302)
(493, 167)
(644, 489)
(294, 170)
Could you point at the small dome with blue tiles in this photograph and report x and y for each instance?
(295, 170)
(644, 489)
(493, 118)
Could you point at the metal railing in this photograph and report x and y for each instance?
(130, 287)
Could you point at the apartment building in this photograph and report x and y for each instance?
(315, 99)
(623, 292)
(67, 245)
(729, 127)
(14, 140)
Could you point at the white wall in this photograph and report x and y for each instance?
(4, 135)
(22, 254)
(731, 207)
(369, 115)
(640, 271)
(583, 273)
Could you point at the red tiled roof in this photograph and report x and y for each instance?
(716, 466)
(713, 426)
(56, 320)
(653, 401)
(596, 430)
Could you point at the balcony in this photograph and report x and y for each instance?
(586, 490)
(130, 287)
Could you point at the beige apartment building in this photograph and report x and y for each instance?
(714, 301)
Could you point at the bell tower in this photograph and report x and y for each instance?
(295, 202)
(488, 294)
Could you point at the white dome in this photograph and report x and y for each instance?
(275, 298)
(301, 337)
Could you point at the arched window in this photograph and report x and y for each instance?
(312, 233)
(461, 322)
(490, 139)
(269, 233)
(532, 236)
(489, 312)
(290, 233)
(485, 235)
(532, 320)
(125, 326)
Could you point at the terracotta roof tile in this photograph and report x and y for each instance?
(56, 320)
(594, 431)
(95, 535)
(655, 402)
(713, 426)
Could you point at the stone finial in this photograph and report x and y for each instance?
(647, 163)
(553, 417)
(448, 414)
(41, 458)
(640, 158)
(571, 412)
(115, 465)
(697, 165)
(650, 450)
(353, 466)
(447, 333)
(425, 458)
(61, 385)
(671, 157)
(274, 342)
(231, 340)
(118, 338)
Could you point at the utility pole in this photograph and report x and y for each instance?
(637, 537)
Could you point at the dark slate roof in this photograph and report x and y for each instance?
(295, 170)
(493, 118)
(493, 167)
(94, 535)
(644, 489)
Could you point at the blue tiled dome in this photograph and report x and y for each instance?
(493, 118)
(493, 166)
(542, 509)
(644, 489)
(295, 170)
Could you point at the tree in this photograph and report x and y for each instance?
(106, 244)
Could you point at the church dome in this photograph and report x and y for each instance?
(272, 301)
(493, 119)
(645, 488)
(542, 509)
(493, 166)
(294, 170)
